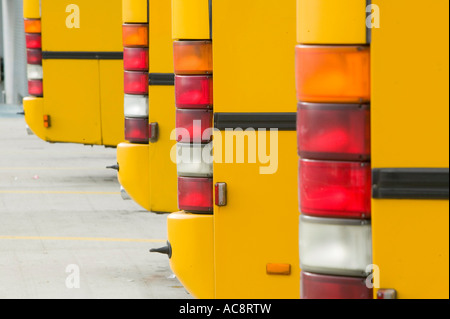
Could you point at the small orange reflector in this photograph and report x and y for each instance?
(47, 122)
(32, 26)
(335, 74)
(192, 57)
(278, 269)
(135, 35)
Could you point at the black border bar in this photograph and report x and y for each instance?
(368, 30)
(280, 121)
(410, 183)
(161, 79)
(78, 55)
(210, 19)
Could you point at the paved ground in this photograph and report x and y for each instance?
(63, 222)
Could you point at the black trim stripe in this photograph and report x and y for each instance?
(161, 79)
(74, 55)
(280, 121)
(210, 19)
(368, 30)
(410, 183)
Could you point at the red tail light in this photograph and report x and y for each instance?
(135, 59)
(33, 40)
(192, 124)
(195, 194)
(136, 83)
(34, 56)
(333, 131)
(193, 91)
(35, 87)
(136, 130)
(335, 189)
(314, 286)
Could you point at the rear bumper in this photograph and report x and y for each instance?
(34, 115)
(133, 160)
(192, 261)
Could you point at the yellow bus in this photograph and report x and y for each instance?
(75, 71)
(373, 124)
(236, 234)
(145, 170)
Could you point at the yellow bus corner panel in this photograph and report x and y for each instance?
(31, 9)
(331, 22)
(190, 19)
(34, 115)
(192, 241)
(134, 172)
(134, 11)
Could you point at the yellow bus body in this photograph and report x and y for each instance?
(409, 128)
(253, 74)
(82, 73)
(146, 171)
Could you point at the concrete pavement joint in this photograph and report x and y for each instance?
(135, 240)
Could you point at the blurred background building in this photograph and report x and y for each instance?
(13, 78)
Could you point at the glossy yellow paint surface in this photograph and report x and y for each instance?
(331, 22)
(100, 26)
(85, 102)
(258, 226)
(163, 171)
(111, 101)
(411, 247)
(410, 124)
(31, 9)
(190, 19)
(254, 72)
(72, 99)
(410, 96)
(254, 65)
(134, 11)
(34, 113)
(191, 238)
(134, 172)
(161, 47)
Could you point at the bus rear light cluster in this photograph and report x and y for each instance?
(335, 189)
(333, 129)
(136, 79)
(193, 126)
(334, 74)
(193, 57)
(195, 160)
(136, 130)
(136, 59)
(194, 120)
(33, 41)
(194, 92)
(136, 82)
(195, 194)
(317, 286)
